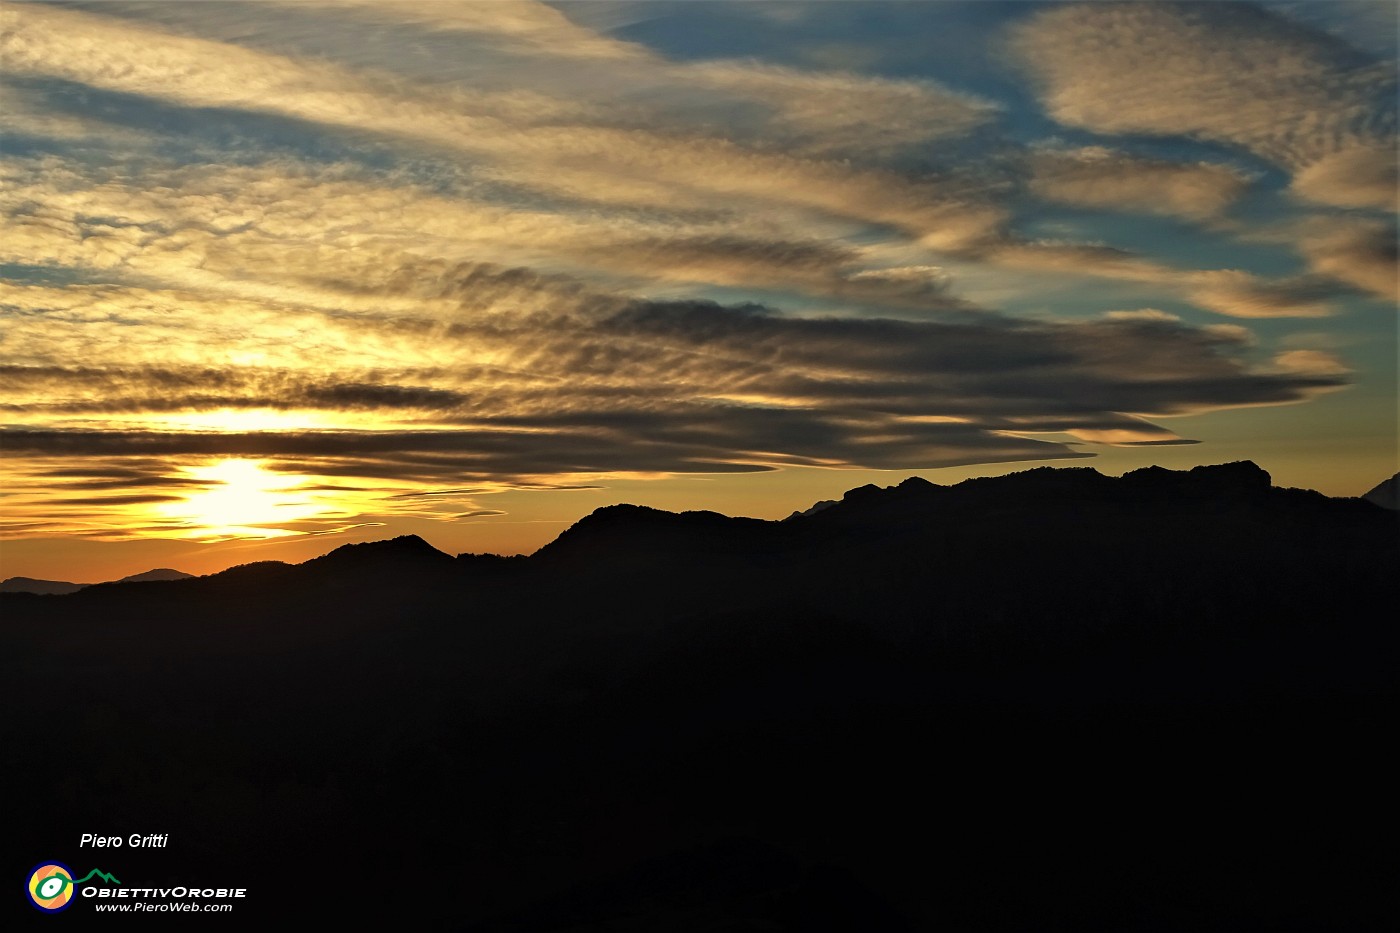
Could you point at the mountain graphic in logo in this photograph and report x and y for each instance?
(51, 887)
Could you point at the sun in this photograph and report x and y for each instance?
(242, 499)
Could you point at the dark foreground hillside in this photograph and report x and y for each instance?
(1048, 701)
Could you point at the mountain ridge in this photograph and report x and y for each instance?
(63, 588)
(646, 534)
(1386, 493)
(940, 707)
(900, 552)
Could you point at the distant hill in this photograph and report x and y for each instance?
(1053, 700)
(41, 587)
(155, 576)
(60, 588)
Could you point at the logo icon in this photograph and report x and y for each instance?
(51, 887)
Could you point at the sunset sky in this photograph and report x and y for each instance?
(279, 276)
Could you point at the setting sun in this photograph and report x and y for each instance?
(243, 499)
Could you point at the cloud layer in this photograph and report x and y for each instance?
(400, 248)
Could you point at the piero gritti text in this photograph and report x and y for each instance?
(134, 841)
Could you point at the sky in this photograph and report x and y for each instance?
(280, 276)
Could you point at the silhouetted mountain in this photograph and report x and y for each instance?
(1052, 700)
(634, 536)
(163, 574)
(376, 563)
(1386, 493)
(407, 551)
(60, 588)
(39, 587)
(816, 507)
(1242, 478)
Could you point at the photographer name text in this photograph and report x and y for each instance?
(134, 841)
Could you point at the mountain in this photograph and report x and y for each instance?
(634, 536)
(408, 552)
(1051, 700)
(1057, 505)
(42, 587)
(157, 576)
(60, 588)
(815, 508)
(1386, 493)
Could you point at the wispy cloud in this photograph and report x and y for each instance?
(694, 386)
(409, 249)
(1102, 178)
(1232, 73)
(522, 140)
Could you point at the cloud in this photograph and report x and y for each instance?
(206, 225)
(1364, 176)
(816, 112)
(533, 28)
(1133, 436)
(1096, 177)
(1372, 27)
(536, 255)
(1340, 264)
(1229, 73)
(842, 113)
(1310, 361)
(1239, 294)
(111, 501)
(518, 137)
(203, 226)
(651, 386)
(1358, 252)
(25, 113)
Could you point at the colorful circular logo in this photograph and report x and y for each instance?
(50, 887)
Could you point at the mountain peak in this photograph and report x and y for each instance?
(1386, 493)
(1239, 476)
(160, 574)
(645, 533)
(867, 493)
(63, 587)
(405, 549)
(1046, 478)
(631, 516)
(39, 587)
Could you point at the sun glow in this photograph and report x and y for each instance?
(234, 420)
(243, 499)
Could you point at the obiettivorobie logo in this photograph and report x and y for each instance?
(51, 886)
